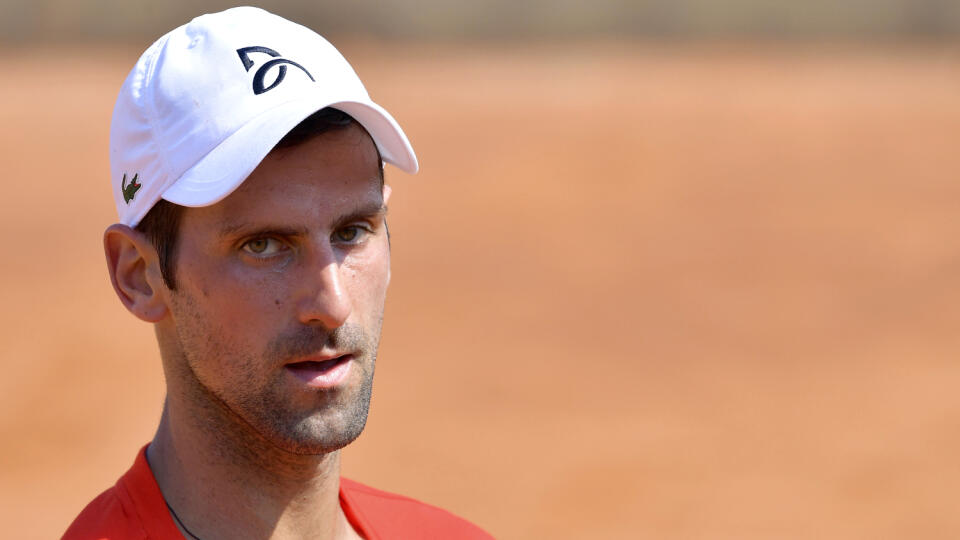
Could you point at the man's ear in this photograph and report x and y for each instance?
(134, 272)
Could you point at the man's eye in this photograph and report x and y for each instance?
(263, 246)
(350, 235)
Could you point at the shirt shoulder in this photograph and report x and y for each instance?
(379, 514)
(105, 518)
(133, 509)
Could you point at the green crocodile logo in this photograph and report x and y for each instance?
(129, 190)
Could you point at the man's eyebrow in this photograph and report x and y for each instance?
(366, 211)
(238, 228)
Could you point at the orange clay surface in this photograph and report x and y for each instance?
(639, 291)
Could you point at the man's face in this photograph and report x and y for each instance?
(280, 294)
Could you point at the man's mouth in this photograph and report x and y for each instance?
(322, 373)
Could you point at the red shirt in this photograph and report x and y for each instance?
(134, 509)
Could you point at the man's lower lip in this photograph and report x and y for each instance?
(325, 374)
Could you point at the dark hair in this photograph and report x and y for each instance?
(161, 225)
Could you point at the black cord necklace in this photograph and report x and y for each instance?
(179, 521)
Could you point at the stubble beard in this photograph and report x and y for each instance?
(261, 410)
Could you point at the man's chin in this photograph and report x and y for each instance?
(312, 437)
(313, 426)
(301, 447)
(306, 449)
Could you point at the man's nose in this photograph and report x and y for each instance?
(327, 302)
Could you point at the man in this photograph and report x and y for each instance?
(247, 163)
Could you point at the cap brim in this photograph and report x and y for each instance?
(225, 167)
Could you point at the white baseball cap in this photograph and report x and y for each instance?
(208, 101)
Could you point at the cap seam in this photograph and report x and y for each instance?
(152, 119)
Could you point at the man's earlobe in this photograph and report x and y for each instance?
(134, 273)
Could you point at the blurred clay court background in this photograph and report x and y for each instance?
(673, 270)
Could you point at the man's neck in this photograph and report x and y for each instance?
(221, 487)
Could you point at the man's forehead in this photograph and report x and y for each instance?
(298, 223)
(314, 184)
(299, 202)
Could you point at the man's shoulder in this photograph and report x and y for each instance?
(105, 517)
(133, 509)
(389, 515)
